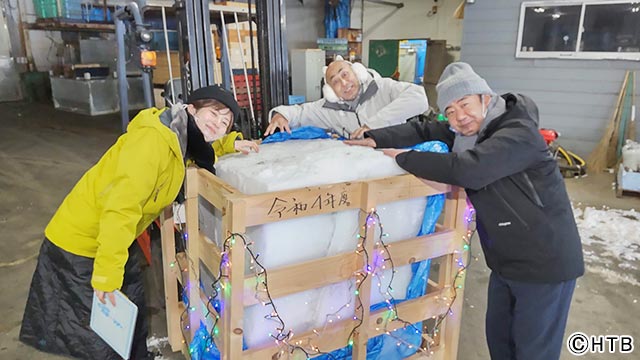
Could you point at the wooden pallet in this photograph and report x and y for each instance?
(240, 211)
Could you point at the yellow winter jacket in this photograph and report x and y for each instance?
(119, 197)
(226, 144)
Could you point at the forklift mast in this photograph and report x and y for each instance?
(196, 49)
(197, 55)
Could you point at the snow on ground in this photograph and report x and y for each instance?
(156, 345)
(611, 240)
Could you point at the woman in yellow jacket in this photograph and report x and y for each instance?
(89, 243)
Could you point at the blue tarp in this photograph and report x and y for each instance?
(337, 17)
(383, 347)
(301, 133)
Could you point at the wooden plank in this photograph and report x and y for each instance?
(214, 190)
(170, 287)
(450, 210)
(217, 339)
(405, 187)
(206, 176)
(453, 321)
(332, 338)
(435, 353)
(597, 160)
(315, 200)
(234, 307)
(413, 311)
(300, 277)
(631, 125)
(70, 26)
(370, 194)
(193, 248)
(421, 248)
(181, 268)
(186, 334)
(211, 254)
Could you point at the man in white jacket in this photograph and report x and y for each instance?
(356, 99)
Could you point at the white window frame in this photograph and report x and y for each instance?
(576, 54)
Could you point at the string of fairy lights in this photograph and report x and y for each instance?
(374, 265)
(470, 223)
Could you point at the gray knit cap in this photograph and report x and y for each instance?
(457, 81)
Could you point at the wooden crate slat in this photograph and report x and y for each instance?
(363, 301)
(181, 268)
(213, 191)
(314, 200)
(234, 223)
(413, 311)
(405, 187)
(452, 324)
(422, 247)
(207, 177)
(170, 287)
(309, 275)
(213, 313)
(193, 248)
(211, 255)
(332, 338)
(322, 272)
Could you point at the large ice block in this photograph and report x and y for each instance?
(297, 164)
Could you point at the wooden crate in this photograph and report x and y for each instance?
(239, 211)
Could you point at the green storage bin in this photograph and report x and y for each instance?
(46, 8)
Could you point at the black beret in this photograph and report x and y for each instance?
(215, 92)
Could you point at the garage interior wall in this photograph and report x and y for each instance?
(575, 97)
(305, 24)
(44, 45)
(411, 21)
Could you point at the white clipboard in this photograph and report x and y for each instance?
(115, 325)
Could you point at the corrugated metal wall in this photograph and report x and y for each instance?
(575, 97)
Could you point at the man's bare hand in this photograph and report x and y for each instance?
(277, 122)
(359, 133)
(362, 142)
(246, 146)
(392, 153)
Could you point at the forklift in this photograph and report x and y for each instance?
(197, 56)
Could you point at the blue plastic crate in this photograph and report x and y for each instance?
(71, 9)
(95, 14)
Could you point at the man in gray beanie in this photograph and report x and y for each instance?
(524, 217)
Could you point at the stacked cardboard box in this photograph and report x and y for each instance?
(354, 42)
(241, 46)
(161, 72)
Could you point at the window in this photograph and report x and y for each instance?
(580, 29)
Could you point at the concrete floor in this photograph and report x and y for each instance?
(43, 153)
